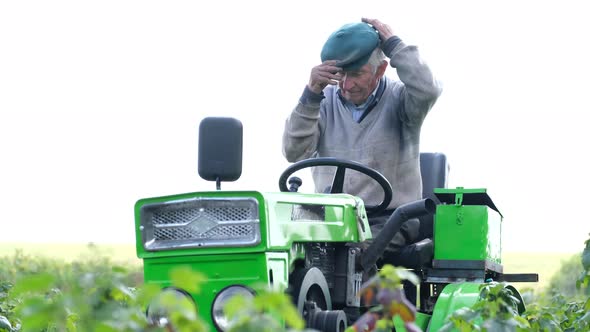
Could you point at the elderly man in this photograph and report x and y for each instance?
(351, 110)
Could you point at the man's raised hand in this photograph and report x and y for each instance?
(324, 74)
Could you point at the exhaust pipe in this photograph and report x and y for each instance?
(392, 226)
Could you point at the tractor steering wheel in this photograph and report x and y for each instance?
(338, 181)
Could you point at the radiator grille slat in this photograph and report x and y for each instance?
(201, 222)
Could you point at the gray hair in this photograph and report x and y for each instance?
(377, 58)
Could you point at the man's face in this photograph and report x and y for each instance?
(356, 86)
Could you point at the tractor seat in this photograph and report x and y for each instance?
(435, 169)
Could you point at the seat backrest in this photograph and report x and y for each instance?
(435, 170)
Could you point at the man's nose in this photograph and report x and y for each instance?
(346, 82)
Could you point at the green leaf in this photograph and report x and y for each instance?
(586, 256)
(36, 283)
(499, 325)
(549, 325)
(71, 323)
(119, 269)
(5, 323)
(185, 278)
(121, 293)
(466, 314)
(103, 327)
(147, 293)
(35, 313)
(408, 275)
(236, 305)
(585, 318)
(292, 317)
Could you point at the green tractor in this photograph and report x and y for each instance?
(308, 244)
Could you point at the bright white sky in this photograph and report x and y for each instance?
(100, 102)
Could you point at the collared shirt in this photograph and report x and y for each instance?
(358, 111)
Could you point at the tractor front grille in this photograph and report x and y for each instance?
(200, 222)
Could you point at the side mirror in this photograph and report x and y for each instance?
(220, 149)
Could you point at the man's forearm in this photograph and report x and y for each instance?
(301, 133)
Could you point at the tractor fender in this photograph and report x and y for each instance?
(453, 296)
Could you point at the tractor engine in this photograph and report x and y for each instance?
(325, 286)
(337, 263)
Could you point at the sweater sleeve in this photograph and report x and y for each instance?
(421, 88)
(302, 128)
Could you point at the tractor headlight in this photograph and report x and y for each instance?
(219, 318)
(168, 301)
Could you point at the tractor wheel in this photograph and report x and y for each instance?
(310, 285)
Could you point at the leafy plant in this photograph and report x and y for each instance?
(93, 294)
(563, 307)
(497, 310)
(269, 310)
(273, 310)
(584, 280)
(386, 288)
(565, 279)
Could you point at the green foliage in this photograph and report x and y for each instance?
(386, 288)
(567, 281)
(185, 278)
(584, 280)
(171, 309)
(565, 306)
(7, 306)
(265, 312)
(86, 301)
(497, 310)
(559, 313)
(94, 294)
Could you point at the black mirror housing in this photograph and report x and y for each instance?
(220, 149)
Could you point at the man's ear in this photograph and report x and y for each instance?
(381, 69)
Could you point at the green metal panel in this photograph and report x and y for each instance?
(422, 321)
(278, 270)
(330, 218)
(467, 232)
(453, 297)
(221, 271)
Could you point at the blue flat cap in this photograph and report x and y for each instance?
(352, 45)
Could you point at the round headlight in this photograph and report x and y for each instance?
(219, 318)
(169, 300)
